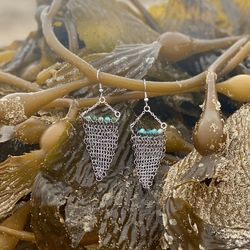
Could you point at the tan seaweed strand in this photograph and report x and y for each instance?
(22, 235)
(117, 81)
(238, 58)
(219, 63)
(25, 85)
(18, 82)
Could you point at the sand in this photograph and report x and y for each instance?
(16, 19)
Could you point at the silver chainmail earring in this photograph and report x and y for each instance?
(101, 135)
(148, 146)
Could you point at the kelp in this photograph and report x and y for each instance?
(181, 220)
(220, 199)
(193, 18)
(67, 203)
(14, 147)
(107, 22)
(215, 17)
(16, 221)
(133, 61)
(31, 130)
(17, 175)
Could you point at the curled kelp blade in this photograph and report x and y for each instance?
(24, 54)
(204, 169)
(185, 230)
(77, 209)
(17, 175)
(224, 201)
(130, 60)
(102, 24)
(64, 72)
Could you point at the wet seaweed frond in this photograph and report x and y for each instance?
(223, 202)
(11, 228)
(17, 177)
(205, 199)
(129, 60)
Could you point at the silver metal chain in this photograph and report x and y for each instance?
(101, 142)
(147, 110)
(148, 152)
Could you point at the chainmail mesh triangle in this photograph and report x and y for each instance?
(148, 151)
(101, 141)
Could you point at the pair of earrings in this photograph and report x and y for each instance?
(101, 139)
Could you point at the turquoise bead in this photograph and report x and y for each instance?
(107, 119)
(94, 118)
(142, 131)
(149, 132)
(100, 119)
(88, 118)
(154, 131)
(160, 131)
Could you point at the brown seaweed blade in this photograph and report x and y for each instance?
(116, 209)
(193, 18)
(101, 24)
(185, 230)
(16, 221)
(16, 177)
(224, 203)
(215, 17)
(130, 60)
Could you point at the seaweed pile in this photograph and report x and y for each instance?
(195, 57)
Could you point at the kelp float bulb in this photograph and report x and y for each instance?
(59, 130)
(53, 134)
(177, 46)
(30, 130)
(237, 88)
(16, 108)
(208, 136)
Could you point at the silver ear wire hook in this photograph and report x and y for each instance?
(102, 99)
(100, 85)
(146, 107)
